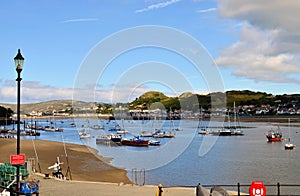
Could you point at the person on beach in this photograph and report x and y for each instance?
(159, 190)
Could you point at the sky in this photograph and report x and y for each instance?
(115, 50)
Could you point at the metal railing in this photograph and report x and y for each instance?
(139, 177)
(277, 192)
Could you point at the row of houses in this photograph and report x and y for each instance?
(122, 112)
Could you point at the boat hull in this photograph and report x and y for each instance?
(289, 146)
(274, 139)
(135, 143)
(274, 136)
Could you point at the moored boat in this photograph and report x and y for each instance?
(135, 142)
(204, 132)
(154, 143)
(164, 134)
(222, 132)
(146, 134)
(274, 136)
(97, 127)
(122, 131)
(115, 138)
(53, 129)
(84, 135)
(103, 139)
(289, 145)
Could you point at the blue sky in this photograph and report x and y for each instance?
(254, 45)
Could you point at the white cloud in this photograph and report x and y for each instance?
(32, 91)
(268, 48)
(157, 6)
(80, 20)
(207, 10)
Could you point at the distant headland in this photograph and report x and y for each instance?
(153, 104)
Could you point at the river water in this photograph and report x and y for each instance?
(190, 158)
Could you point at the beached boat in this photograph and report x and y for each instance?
(274, 135)
(136, 141)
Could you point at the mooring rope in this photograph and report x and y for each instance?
(67, 159)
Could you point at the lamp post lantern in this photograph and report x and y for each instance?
(19, 60)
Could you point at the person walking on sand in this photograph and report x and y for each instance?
(159, 190)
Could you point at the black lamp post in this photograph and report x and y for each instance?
(19, 60)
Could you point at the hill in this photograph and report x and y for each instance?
(49, 106)
(154, 99)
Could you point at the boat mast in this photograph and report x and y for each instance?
(234, 115)
(289, 130)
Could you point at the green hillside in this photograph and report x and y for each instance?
(155, 99)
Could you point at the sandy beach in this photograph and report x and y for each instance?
(84, 165)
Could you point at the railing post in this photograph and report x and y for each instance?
(136, 177)
(144, 176)
(133, 176)
(141, 177)
(197, 190)
(278, 188)
(239, 191)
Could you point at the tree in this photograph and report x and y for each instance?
(5, 112)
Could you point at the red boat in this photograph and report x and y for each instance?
(135, 142)
(274, 136)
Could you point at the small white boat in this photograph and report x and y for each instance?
(122, 131)
(53, 129)
(203, 132)
(154, 143)
(97, 127)
(103, 139)
(84, 135)
(146, 134)
(289, 145)
(165, 134)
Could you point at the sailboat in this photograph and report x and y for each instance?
(83, 134)
(232, 130)
(289, 145)
(122, 130)
(53, 128)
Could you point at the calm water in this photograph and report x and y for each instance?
(227, 160)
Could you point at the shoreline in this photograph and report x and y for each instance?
(84, 162)
(266, 118)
